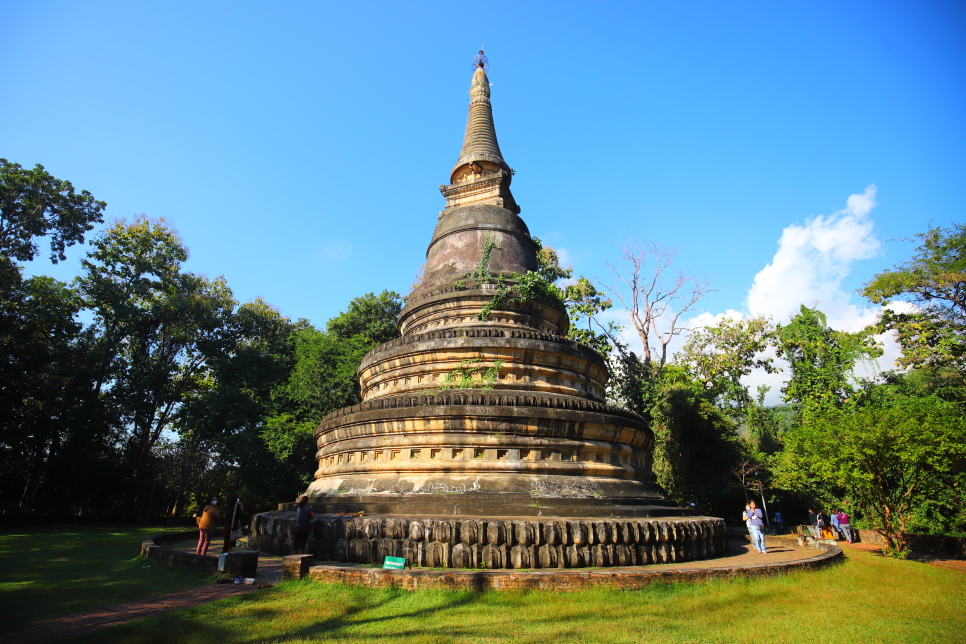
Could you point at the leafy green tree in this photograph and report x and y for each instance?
(695, 443)
(35, 204)
(890, 462)
(371, 316)
(152, 321)
(581, 299)
(226, 417)
(934, 282)
(719, 356)
(53, 425)
(822, 360)
(322, 381)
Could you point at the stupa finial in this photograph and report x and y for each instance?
(481, 60)
(479, 141)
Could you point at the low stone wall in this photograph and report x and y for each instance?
(800, 541)
(566, 581)
(934, 544)
(497, 543)
(154, 549)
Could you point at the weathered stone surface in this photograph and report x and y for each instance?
(520, 557)
(523, 531)
(578, 534)
(494, 556)
(552, 533)
(462, 557)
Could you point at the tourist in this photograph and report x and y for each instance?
(303, 525)
(820, 524)
(776, 518)
(205, 523)
(845, 526)
(755, 524)
(233, 518)
(813, 524)
(834, 520)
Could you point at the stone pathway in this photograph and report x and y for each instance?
(49, 630)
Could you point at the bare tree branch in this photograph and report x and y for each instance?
(657, 300)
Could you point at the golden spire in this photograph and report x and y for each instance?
(479, 141)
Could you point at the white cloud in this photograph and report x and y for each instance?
(808, 268)
(336, 251)
(811, 262)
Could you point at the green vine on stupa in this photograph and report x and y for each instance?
(513, 287)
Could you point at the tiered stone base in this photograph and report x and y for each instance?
(497, 543)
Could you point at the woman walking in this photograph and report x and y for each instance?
(753, 519)
(845, 526)
(205, 524)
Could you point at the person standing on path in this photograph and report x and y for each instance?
(845, 526)
(755, 524)
(303, 525)
(834, 520)
(777, 520)
(233, 518)
(821, 524)
(206, 522)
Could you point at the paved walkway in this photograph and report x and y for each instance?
(49, 630)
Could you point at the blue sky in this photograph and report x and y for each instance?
(298, 147)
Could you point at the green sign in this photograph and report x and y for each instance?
(394, 563)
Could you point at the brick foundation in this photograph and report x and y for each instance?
(629, 578)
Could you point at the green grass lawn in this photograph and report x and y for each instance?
(48, 572)
(866, 599)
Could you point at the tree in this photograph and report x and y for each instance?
(581, 299)
(719, 356)
(657, 301)
(370, 316)
(227, 415)
(152, 321)
(54, 426)
(822, 360)
(35, 204)
(886, 461)
(934, 283)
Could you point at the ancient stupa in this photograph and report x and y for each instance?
(527, 454)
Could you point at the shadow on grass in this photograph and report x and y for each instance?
(871, 601)
(52, 572)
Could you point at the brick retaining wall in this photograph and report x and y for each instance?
(567, 580)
